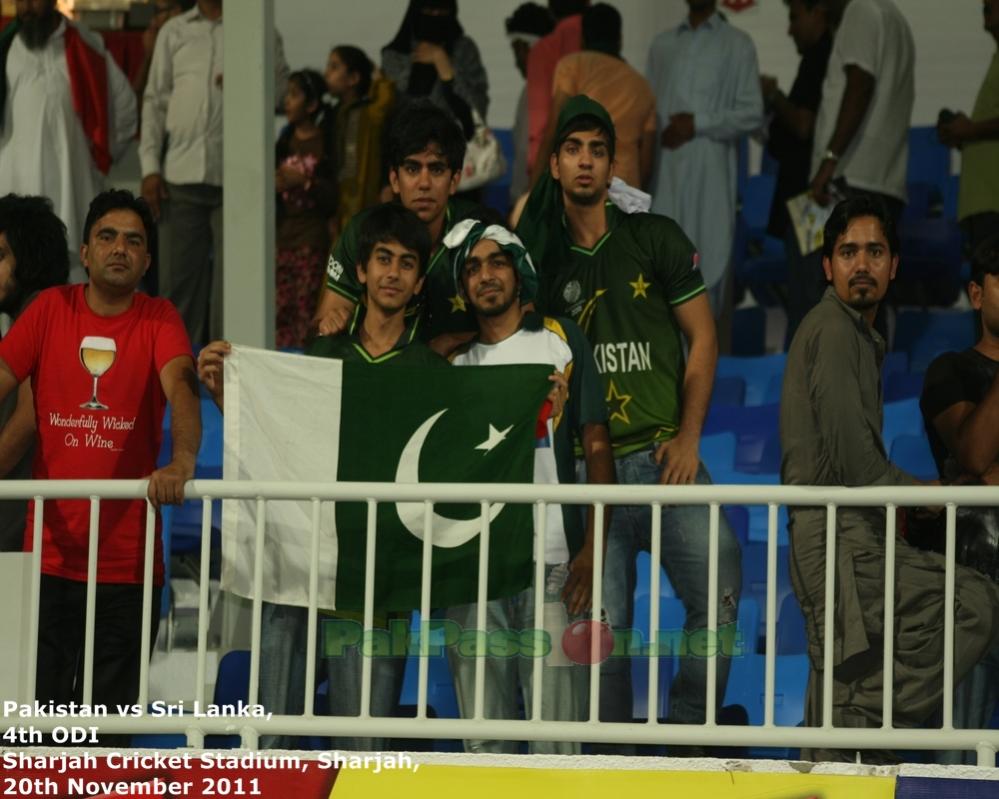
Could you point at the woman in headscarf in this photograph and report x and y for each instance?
(432, 57)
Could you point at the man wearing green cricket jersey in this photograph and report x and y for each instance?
(632, 283)
(426, 150)
(393, 249)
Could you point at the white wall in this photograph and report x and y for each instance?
(952, 51)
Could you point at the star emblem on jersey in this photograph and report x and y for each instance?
(640, 287)
(457, 303)
(495, 437)
(616, 403)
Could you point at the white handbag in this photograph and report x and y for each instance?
(484, 161)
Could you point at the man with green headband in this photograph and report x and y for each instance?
(494, 275)
(632, 283)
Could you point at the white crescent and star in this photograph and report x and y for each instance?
(447, 532)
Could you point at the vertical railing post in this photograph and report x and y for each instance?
(888, 666)
(829, 618)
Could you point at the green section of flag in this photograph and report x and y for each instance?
(465, 424)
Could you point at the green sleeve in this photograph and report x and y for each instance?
(341, 267)
(586, 392)
(674, 260)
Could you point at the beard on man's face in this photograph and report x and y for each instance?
(37, 28)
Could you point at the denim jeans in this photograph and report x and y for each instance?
(564, 683)
(685, 557)
(283, 633)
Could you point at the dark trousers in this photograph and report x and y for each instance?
(117, 644)
(190, 257)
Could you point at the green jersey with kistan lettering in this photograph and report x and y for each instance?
(442, 309)
(622, 293)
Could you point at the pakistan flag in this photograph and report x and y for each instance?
(293, 418)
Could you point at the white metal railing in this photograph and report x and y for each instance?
(985, 742)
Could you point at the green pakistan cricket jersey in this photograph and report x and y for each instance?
(622, 293)
(442, 309)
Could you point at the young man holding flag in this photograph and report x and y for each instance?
(393, 250)
(632, 283)
(494, 275)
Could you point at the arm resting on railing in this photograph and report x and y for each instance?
(166, 485)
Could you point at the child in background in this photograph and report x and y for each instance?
(307, 194)
(366, 98)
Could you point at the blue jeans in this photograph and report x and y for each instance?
(685, 558)
(283, 633)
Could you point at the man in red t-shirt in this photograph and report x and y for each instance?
(103, 360)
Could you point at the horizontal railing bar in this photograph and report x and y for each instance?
(807, 496)
(585, 731)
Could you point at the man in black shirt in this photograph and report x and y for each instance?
(790, 142)
(960, 405)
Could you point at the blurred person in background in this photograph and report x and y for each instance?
(792, 129)
(524, 28)
(431, 56)
(565, 38)
(977, 137)
(67, 111)
(33, 256)
(306, 186)
(365, 99)
(704, 75)
(599, 72)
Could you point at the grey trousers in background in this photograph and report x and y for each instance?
(190, 257)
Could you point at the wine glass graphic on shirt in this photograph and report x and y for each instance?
(97, 355)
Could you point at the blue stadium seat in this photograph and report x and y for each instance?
(738, 520)
(749, 331)
(902, 385)
(671, 620)
(496, 194)
(791, 636)
(895, 361)
(232, 686)
(759, 522)
(441, 695)
(774, 388)
(912, 454)
(926, 334)
(746, 688)
(902, 418)
(755, 371)
(754, 573)
(718, 451)
(929, 160)
(729, 391)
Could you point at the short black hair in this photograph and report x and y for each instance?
(585, 123)
(985, 259)
(392, 222)
(566, 8)
(420, 125)
(602, 28)
(860, 204)
(37, 239)
(810, 4)
(122, 200)
(530, 18)
(356, 60)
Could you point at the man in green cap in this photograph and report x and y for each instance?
(495, 276)
(632, 283)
